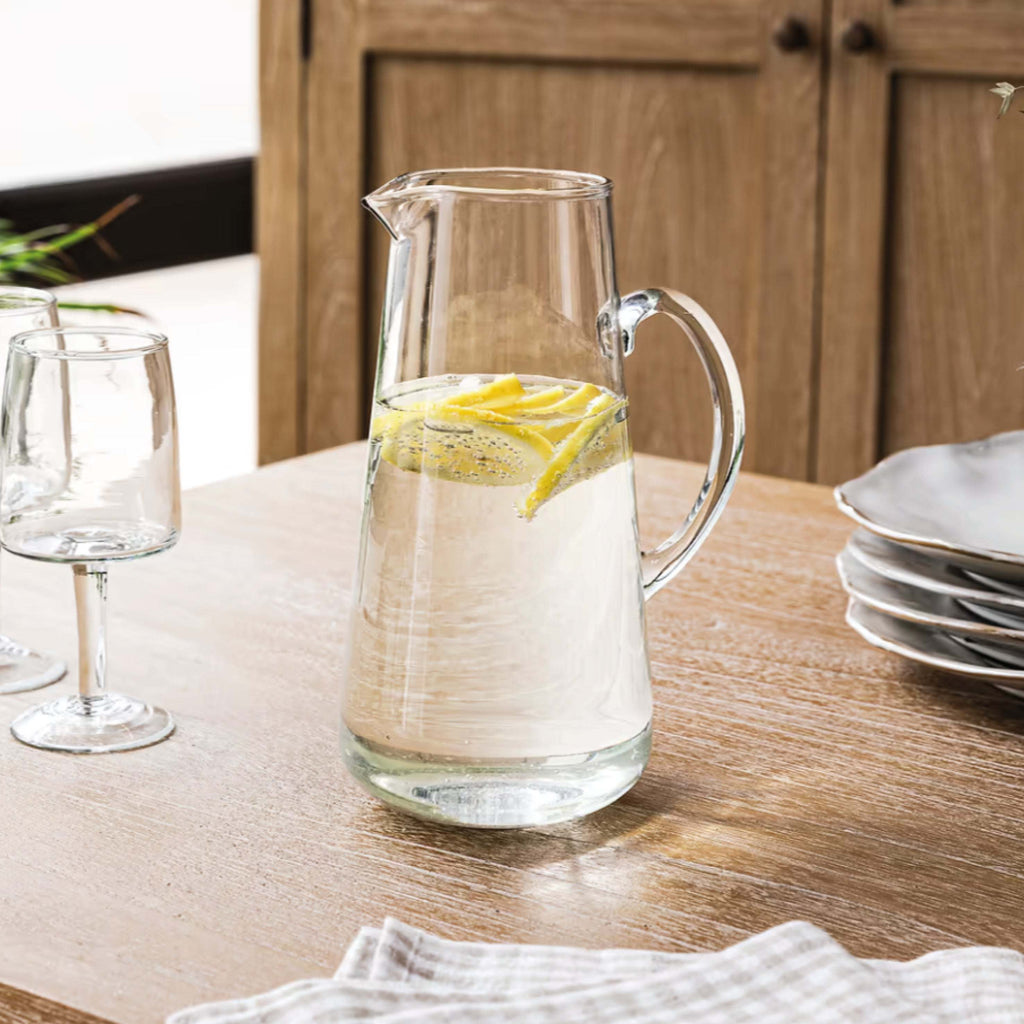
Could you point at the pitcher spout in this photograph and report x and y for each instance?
(402, 204)
(391, 202)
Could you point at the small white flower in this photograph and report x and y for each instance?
(1006, 91)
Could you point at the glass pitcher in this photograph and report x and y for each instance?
(497, 671)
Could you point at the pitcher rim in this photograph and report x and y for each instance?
(576, 184)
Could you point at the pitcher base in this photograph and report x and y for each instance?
(518, 794)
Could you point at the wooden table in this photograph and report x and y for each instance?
(797, 773)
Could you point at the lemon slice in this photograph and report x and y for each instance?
(562, 416)
(502, 434)
(528, 404)
(499, 389)
(578, 400)
(595, 443)
(462, 445)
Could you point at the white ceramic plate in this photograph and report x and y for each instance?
(964, 500)
(999, 616)
(929, 646)
(903, 564)
(994, 583)
(913, 604)
(1001, 653)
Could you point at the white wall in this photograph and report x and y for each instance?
(208, 311)
(97, 87)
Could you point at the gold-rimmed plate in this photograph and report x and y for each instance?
(925, 607)
(960, 501)
(926, 645)
(902, 564)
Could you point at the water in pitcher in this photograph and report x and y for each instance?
(499, 613)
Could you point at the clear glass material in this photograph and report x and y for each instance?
(497, 671)
(21, 668)
(89, 452)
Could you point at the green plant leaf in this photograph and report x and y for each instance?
(74, 236)
(51, 275)
(20, 242)
(39, 256)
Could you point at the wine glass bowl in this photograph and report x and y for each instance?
(89, 454)
(92, 471)
(21, 668)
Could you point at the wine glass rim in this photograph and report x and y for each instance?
(149, 341)
(32, 298)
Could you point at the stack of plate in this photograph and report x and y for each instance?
(936, 571)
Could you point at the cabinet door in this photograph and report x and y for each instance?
(707, 125)
(922, 301)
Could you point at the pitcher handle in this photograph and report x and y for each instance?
(661, 564)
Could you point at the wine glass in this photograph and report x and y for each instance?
(22, 309)
(89, 460)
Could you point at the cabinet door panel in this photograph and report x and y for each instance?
(956, 308)
(922, 258)
(708, 128)
(682, 148)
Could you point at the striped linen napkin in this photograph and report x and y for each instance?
(791, 974)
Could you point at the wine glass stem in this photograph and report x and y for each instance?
(91, 602)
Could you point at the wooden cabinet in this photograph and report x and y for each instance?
(923, 243)
(825, 205)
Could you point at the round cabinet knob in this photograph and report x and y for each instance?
(791, 34)
(858, 37)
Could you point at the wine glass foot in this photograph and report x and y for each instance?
(93, 725)
(25, 669)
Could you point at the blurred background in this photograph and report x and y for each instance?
(106, 101)
(827, 177)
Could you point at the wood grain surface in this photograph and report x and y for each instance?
(970, 37)
(718, 33)
(20, 1007)
(709, 131)
(715, 176)
(853, 248)
(797, 773)
(954, 338)
(919, 307)
(678, 219)
(840, 244)
(780, 393)
(281, 232)
(335, 224)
